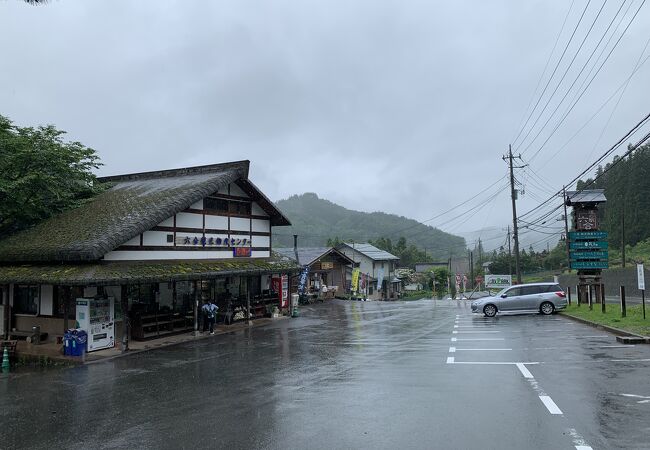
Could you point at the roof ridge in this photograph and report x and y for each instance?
(209, 168)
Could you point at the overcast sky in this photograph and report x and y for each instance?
(399, 106)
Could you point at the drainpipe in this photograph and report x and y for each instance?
(295, 247)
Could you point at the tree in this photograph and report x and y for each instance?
(41, 175)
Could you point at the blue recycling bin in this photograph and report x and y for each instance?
(78, 342)
(67, 343)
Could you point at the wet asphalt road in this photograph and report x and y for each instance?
(350, 375)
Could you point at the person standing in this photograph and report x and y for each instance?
(210, 315)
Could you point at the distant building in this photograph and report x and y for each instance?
(377, 267)
(327, 266)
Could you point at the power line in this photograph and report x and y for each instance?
(562, 119)
(566, 71)
(566, 47)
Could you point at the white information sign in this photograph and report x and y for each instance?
(498, 281)
(640, 276)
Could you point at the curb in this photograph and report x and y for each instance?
(171, 344)
(625, 337)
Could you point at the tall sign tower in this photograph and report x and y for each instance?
(588, 246)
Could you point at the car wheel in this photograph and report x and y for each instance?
(490, 310)
(547, 308)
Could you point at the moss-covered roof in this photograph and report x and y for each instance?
(125, 272)
(133, 204)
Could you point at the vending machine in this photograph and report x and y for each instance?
(96, 317)
(280, 285)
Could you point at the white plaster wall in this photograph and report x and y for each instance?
(236, 190)
(211, 235)
(156, 238)
(257, 210)
(47, 300)
(260, 254)
(261, 225)
(122, 255)
(189, 220)
(134, 241)
(197, 205)
(169, 222)
(216, 222)
(261, 241)
(237, 223)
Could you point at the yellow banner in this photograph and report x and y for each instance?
(355, 280)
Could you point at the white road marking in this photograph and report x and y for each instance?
(647, 399)
(481, 339)
(524, 371)
(629, 360)
(450, 360)
(455, 326)
(615, 346)
(452, 349)
(550, 404)
(483, 349)
(583, 447)
(454, 332)
(493, 363)
(478, 332)
(453, 339)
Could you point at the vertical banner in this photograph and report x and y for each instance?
(355, 280)
(380, 278)
(302, 282)
(640, 276)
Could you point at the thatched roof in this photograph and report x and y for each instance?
(129, 272)
(133, 204)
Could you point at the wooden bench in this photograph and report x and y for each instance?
(11, 349)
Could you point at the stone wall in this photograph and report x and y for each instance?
(612, 279)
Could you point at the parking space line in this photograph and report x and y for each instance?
(550, 404)
(452, 349)
(524, 371)
(494, 363)
(454, 339)
(466, 332)
(479, 339)
(450, 360)
(583, 447)
(629, 360)
(483, 349)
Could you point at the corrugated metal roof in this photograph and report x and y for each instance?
(586, 196)
(371, 251)
(307, 255)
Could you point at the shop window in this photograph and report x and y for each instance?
(27, 299)
(184, 297)
(60, 295)
(142, 298)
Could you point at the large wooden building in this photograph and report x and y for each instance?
(156, 244)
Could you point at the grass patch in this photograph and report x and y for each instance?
(633, 322)
(417, 295)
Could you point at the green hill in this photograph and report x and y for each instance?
(315, 220)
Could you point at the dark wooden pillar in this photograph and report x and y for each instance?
(126, 320)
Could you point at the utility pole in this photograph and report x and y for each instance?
(513, 195)
(471, 269)
(509, 254)
(623, 235)
(566, 230)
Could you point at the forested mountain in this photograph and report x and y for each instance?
(316, 220)
(627, 188)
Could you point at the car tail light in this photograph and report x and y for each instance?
(560, 294)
